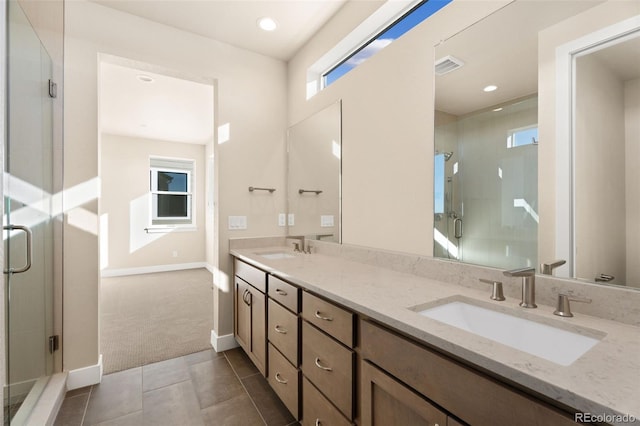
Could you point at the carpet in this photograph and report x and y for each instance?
(154, 317)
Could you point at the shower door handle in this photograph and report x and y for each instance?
(457, 228)
(29, 237)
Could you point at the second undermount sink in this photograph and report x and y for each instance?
(551, 343)
(276, 255)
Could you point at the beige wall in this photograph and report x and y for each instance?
(251, 97)
(632, 155)
(124, 199)
(387, 125)
(600, 213)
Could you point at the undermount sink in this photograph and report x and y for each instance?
(551, 343)
(276, 255)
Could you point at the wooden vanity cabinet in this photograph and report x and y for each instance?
(328, 360)
(283, 333)
(250, 312)
(410, 380)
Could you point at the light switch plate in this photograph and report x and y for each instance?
(291, 221)
(237, 222)
(282, 219)
(326, 221)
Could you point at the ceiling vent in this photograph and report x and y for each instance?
(447, 64)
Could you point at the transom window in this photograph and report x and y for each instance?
(171, 182)
(391, 32)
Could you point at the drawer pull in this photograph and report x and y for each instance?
(318, 422)
(322, 367)
(281, 292)
(279, 380)
(280, 330)
(322, 317)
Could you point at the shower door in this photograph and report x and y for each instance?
(28, 226)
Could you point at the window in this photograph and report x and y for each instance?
(382, 39)
(522, 136)
(171, 188)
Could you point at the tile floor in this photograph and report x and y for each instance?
(205, 388)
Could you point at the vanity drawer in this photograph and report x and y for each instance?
(252, 275)
(284, 378)
(329, 366)
(469, 395)
(284, 293)
(283, 331)
(317, 410)
(328, 317)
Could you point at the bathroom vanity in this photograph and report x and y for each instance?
(345, 343)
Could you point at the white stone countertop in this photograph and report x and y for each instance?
(603, 381)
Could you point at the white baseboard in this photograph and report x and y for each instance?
(223, 343)
(105, 273)
(85, 376)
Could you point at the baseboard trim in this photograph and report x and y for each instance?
(106, 273)
(223, 343)
(86, 376)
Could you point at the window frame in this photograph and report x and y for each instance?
(171, 222)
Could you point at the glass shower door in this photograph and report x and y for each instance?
(28, 226)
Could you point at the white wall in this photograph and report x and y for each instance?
(124, 164)
(251, 97)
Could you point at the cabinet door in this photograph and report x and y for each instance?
(385, 401)
(258, 328)
(242, 306)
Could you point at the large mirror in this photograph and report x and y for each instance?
(313, 184)
(490, 142)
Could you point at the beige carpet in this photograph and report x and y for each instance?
(154, 317)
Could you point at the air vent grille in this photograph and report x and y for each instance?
(447, 64)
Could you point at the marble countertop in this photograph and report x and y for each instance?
(603, 381)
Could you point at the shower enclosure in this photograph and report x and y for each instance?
(486, 191)
(29, 204)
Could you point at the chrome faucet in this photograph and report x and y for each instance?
(528, 285)
(547, 268)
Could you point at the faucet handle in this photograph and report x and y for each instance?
(547, 268)
(296, 247)
(563, 308)
(520, 272)
(497, 293)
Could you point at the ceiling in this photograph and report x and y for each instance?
(500, 50)
(165, 109)
(235, 21)
(173, 109)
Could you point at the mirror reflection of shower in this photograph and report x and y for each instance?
(485, 184)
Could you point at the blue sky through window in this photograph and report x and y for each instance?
(379, 42)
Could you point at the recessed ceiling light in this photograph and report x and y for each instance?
(267, 24)
(490, 88)
(145, 78)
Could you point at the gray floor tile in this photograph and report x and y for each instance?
(202, 356)
(241, 363)
(118, 394)
(72, 410)
(133, 419)
(164, 373)
(273, 411)
(172, 405)
(214, 382)
(238, 411)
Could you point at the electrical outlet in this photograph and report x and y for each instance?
(291, 220)
(282, 219)
(175, 253)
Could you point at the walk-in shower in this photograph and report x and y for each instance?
(28, 222)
